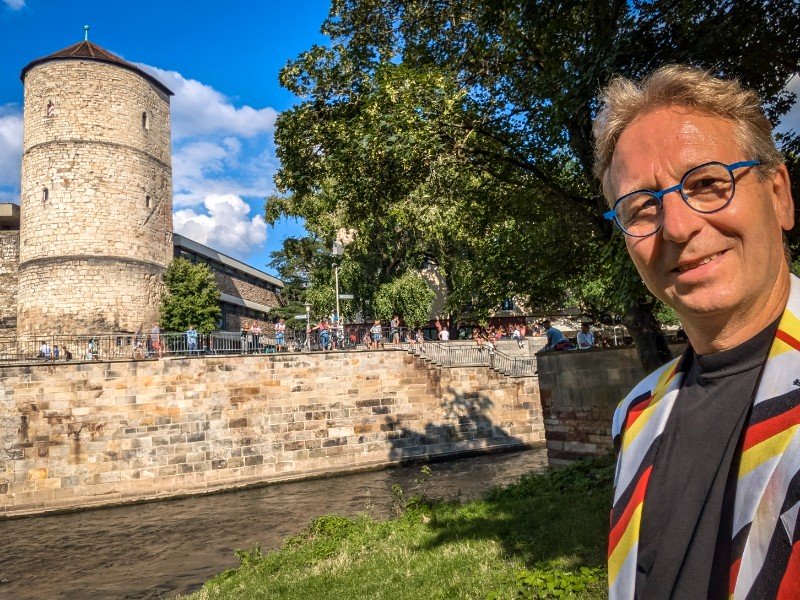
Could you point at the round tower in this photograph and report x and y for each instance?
(96, 194)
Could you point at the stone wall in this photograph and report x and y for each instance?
(123, 303)
(9, 262)
(108, 201)
(579, 392)
(89, 434)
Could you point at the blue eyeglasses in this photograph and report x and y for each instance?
(707, 188)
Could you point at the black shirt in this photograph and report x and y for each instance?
(684, 543)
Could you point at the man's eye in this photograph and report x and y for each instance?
(639, 208)
(704, 183)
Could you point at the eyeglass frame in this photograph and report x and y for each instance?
(611, 215)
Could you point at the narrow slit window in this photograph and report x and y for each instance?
(145, 121)
(45, 194)
(148, 202)
(51, 108)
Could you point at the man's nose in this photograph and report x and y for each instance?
(681, 222)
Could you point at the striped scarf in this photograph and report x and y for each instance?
(766, 528)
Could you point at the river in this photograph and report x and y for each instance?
(161, 549)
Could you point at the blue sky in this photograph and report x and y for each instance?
(221, 59)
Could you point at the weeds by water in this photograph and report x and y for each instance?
(542, 537)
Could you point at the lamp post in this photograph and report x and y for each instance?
(308, 325)
(338, 251)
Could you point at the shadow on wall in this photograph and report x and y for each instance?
(464, 426)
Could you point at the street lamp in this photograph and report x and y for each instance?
(338, 251)
(308, 325)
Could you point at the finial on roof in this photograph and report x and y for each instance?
(85, 33)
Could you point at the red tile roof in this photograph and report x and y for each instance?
(89, 51)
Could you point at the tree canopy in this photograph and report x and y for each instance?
(191, 297)
(407, 296)
(458, 132)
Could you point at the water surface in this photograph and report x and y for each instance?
(160, 549)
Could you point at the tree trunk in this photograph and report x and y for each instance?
(646, 332)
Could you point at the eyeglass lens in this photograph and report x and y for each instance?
(706, 189)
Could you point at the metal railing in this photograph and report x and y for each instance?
(127, 346)
(460, 355)
(59, 348)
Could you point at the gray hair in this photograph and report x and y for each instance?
(679, 85)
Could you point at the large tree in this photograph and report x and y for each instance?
(459, 132)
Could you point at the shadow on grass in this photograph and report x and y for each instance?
(560, 517)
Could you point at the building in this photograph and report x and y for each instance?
(246, 294)
(86, 249)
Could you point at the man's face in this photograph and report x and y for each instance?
(721, 264)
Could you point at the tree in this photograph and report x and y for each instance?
(468, 124)
(408, 296)
(191, 297)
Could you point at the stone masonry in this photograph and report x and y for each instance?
(96, 198)
(579, 392)
(9, 261)
(91, 434)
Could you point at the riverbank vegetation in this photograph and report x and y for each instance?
(541, 537)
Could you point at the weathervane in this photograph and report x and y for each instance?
(85, 33)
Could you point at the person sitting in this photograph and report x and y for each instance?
(555, 339)
(585, 337)
(516, 335)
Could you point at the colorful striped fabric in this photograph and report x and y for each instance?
(766, 541)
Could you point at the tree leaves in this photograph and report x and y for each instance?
(191, 297)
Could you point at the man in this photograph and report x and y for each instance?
(444, 334)
(708, 476)
(555, 338)
(585, 337)
(191, 339)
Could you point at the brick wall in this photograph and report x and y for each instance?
(88, 434)
(579, 392)
(230, 284)
(9, 261)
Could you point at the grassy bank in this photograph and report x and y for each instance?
(542, 537)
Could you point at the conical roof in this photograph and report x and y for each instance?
(87, 50)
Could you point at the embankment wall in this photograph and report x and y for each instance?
(89, 434)
(579, 392)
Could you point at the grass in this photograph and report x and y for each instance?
(542, 537)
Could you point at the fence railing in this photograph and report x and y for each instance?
(127, 346)
(460, 355)
(130, 346)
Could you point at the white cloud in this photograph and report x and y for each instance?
(199, 109)
(227, 226)
(10, 151)
(14, 4)
(222, 156)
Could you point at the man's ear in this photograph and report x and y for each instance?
(782, 198)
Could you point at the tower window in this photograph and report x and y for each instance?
(45, 194)
(51, 109)
(148, 202)
(145, 121)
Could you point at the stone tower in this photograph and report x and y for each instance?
(96, 194)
